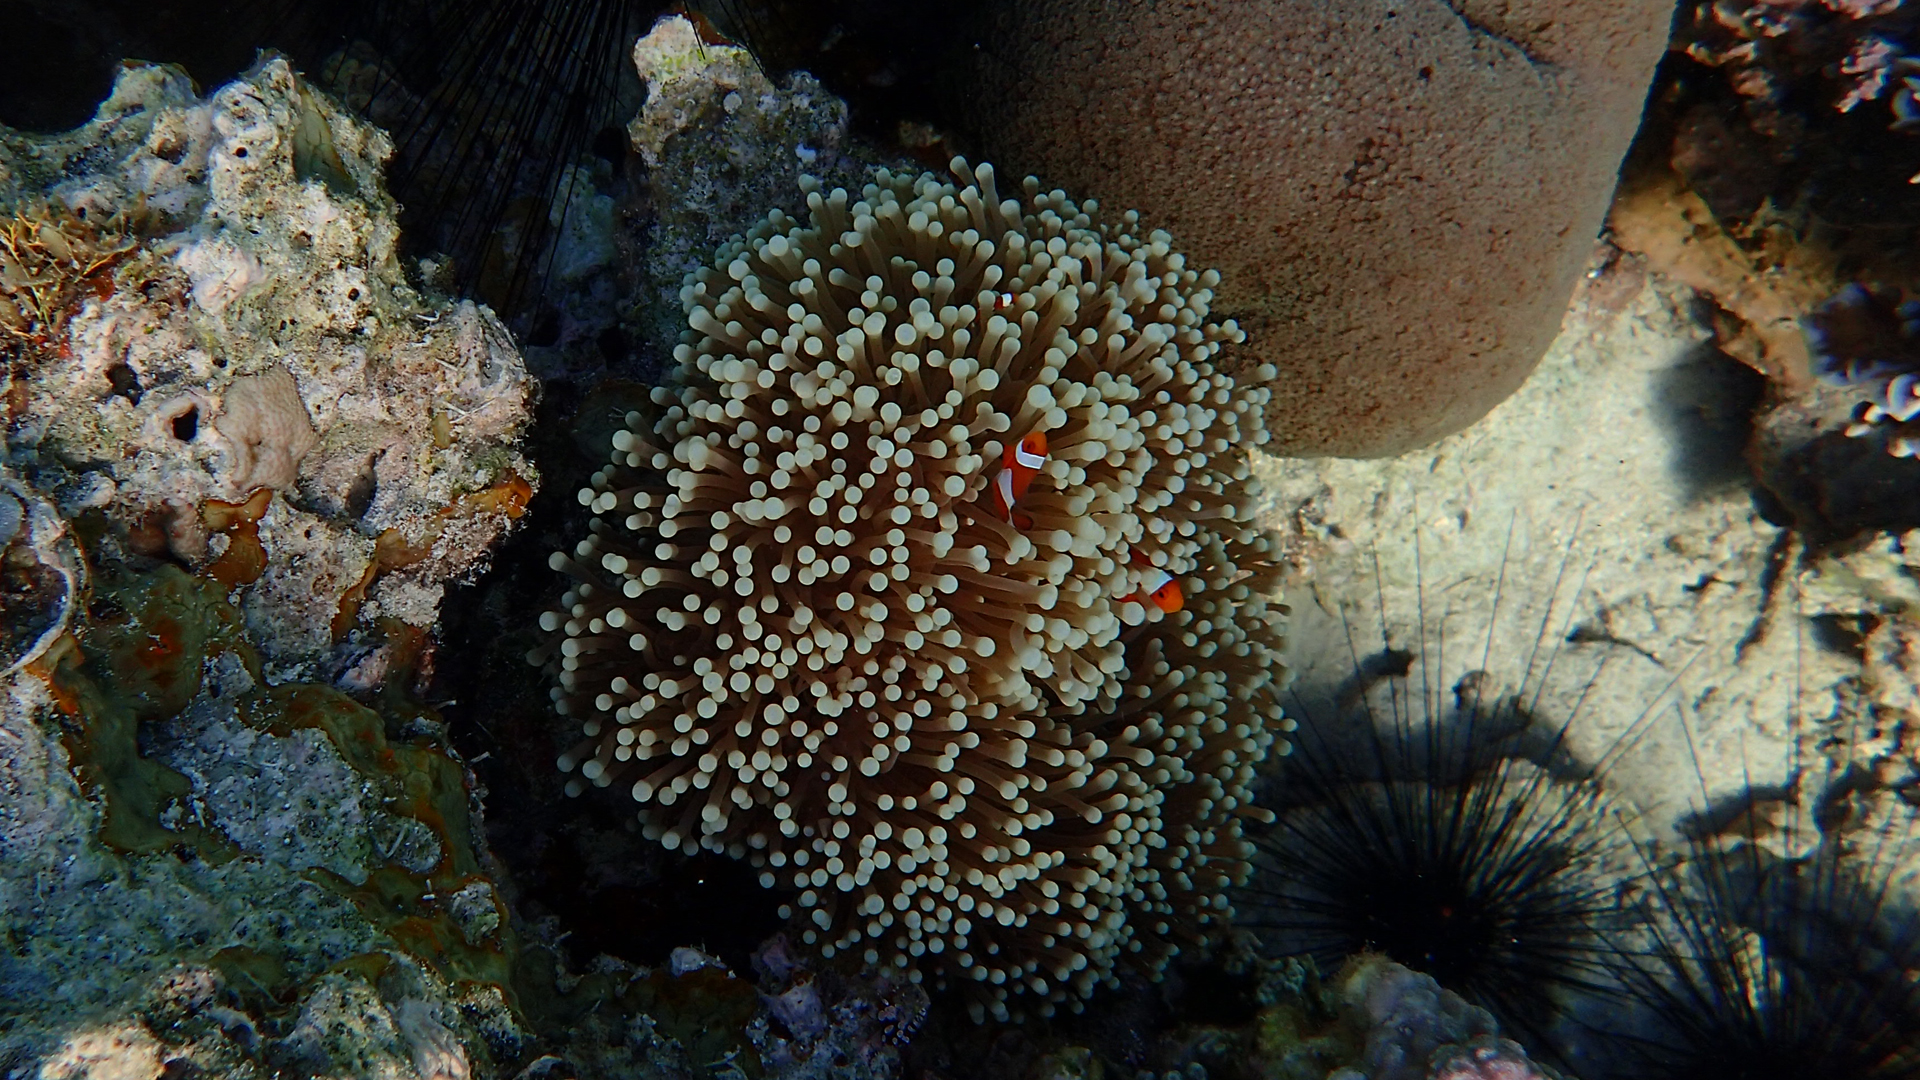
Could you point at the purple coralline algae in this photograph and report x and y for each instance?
(825, 1026)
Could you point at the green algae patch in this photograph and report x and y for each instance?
(410, 895)
(154, 657)
(140, 655)
(429, 786)
(259, 977)
(1293, 1041)
(324, 802)
(143, 657)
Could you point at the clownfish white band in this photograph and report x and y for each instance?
(1031, 461)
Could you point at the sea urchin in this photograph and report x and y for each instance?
(1775, 951)
(1450, 835)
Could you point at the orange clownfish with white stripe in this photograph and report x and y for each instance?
(1019, 465)
(1157, 587)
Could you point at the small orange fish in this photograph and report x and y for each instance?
(1019, 465)
(1157, 587)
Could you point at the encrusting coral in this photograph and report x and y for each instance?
(811, 628)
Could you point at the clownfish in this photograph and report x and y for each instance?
(1019, 465)
(1157, 587)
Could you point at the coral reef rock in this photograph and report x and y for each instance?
(1399, 195)
(42, 575)
(1372, 1020)
(723, 143)
(826, 1025)
(1416, 1029)
(217, 877)
(221, 354)
(1759, 285)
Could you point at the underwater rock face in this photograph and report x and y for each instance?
(1399, 195)
(196, 867)
(215, 364)
(245, 379)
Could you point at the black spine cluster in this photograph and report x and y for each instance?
(1751, 964)
(1449, 831)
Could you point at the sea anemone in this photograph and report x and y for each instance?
(1869, 340)
(1452, 836)
(812, 628)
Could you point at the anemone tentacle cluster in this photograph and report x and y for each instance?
(1868, 340)
(802, 632)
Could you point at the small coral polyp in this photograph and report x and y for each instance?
(805, 632)
(1869, 340)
